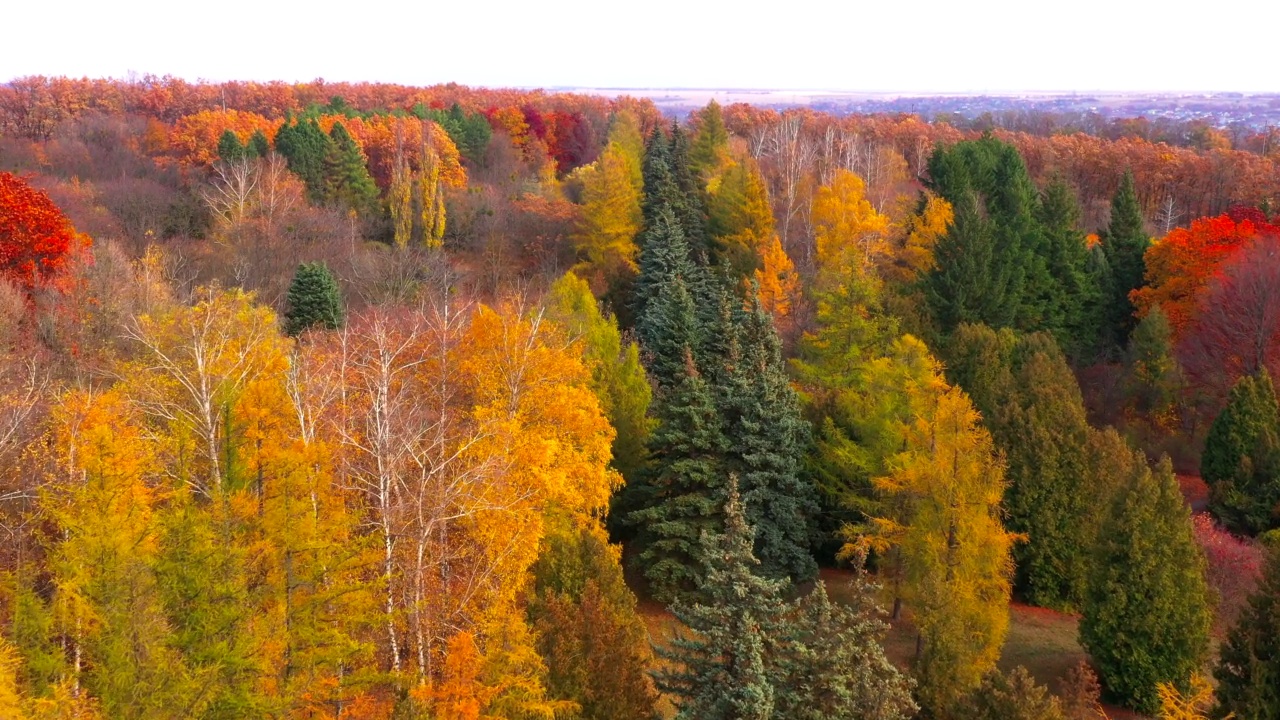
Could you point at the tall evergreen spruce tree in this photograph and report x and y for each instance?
(313, 299)
(660, 189)
(721, 671)
(1241, 460)
(691, 208)
(831, 662)
(986, 259)
(664, 260)
(1146, 614)
(1125, 242)
(970, 284)
(679, 499)
(761, 414)
(1248, 671)
(1067, 258)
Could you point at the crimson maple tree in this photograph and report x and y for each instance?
(36, 239)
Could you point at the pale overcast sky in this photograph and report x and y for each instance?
(932, 46)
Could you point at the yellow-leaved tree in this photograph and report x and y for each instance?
(611, 218)
(850, 236)
(941, 520)
(913, 254)
(778, 283)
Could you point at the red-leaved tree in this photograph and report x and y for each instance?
(1234, 566)
(1236, 329)
(36, 239)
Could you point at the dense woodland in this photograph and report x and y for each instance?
(371, 401)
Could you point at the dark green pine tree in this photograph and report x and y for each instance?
(664, 259)
(1031, 403)
(1067, 258)
(761, 413)
(1248, 671)
(679, 499)
(1241, 460)
(721, 670)
(691, 209)
(314, 300)
(347, 179)
(305, 146)
(259, 145)
(1146, 615)
(660, 189)
(1125, 243)
(1013, 257)
(1099, 310)
(969, 283)
(230, 149)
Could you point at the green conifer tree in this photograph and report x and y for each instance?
(1241, 460)
(680, 497)
(1125, 242)
(691, 206)
(991, 264)
(1153, 370)
(203, 572)
(721, 671)
(664, 259)
(230, 149)
(761, 413)
(1075, 290)
(832, 664)
(259, 145)
(347, 179)
(305, 146)
(1248, 670)
(1031, 403)
(1146, 614)
(313, 300)
(711, 144)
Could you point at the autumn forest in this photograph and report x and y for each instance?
(365, 401)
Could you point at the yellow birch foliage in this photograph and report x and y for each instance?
(850, 236)
(943, 493)
(611, 218)
(194, 364)
(542, 432)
